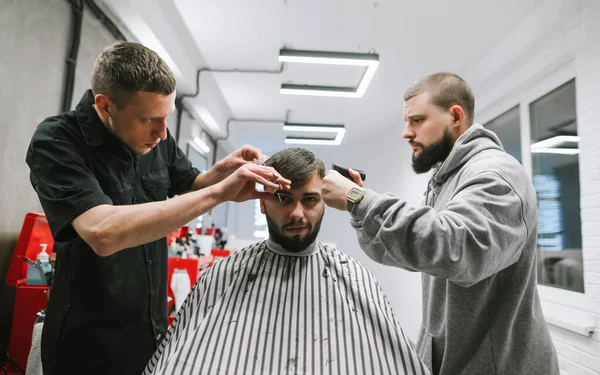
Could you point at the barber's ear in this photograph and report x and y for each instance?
(458, 115)
(103, 105)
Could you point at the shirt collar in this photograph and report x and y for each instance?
(278, 249)
(94, 131)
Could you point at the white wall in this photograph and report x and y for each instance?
(559, 33)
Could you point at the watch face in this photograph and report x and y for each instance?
(354, 193)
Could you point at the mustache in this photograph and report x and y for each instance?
(296, 224)
(413, 143)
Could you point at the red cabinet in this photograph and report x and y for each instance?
(29, 299)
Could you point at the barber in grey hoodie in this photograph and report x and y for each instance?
(474, 240)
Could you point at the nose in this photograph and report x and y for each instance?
(408, 133)
(161, 129)
(297, 211)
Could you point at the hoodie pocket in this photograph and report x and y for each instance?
(425, 349)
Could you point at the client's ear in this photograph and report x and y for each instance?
(262, 206)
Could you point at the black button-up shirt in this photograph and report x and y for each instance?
(105, 314)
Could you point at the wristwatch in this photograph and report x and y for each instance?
(354, 196)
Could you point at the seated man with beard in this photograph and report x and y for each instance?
(289, 304)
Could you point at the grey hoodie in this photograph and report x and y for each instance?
(475, 242)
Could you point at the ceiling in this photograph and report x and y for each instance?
(412, 39)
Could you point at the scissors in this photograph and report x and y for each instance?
(275, 180)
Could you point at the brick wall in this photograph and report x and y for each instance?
(557, 32)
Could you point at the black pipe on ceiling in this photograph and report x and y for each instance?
(71, 60)
(180, 106)
(104, 20)
(255, 121)
(77, 7)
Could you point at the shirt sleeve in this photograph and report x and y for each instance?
(64, 183)
(181, 171)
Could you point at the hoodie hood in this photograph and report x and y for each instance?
(475, 140)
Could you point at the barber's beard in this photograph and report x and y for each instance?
(434, 154)
(295, 243)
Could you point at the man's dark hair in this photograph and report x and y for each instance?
(446, 90)
(124, 68)
(297, 165)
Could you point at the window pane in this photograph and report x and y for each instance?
(198, 160)
(556, 179)
(507, 127)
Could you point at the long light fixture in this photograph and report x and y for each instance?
(555, 141)
(339, 130)
(550, 150)
(200, 143)
(549, 146)
(368, 60)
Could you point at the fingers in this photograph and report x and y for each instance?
(356, 177)
(250, 153)
(281, 181)
(266, 176)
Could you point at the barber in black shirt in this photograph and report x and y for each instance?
(103, 173)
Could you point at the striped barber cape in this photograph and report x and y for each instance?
(264, 310)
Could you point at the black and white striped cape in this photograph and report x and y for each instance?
(264, 310)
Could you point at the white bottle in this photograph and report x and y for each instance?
(181, 286)
(44, 260)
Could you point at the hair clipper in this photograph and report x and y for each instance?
(344, 172)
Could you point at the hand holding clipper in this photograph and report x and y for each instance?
(344, 172)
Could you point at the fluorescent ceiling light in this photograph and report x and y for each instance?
(208, 119)
(310, 141)
(340, 92)
(203, 146)
(555, 141)
(331, 58)
(340, 130)
(550, 150)
(368, 60)
(315, 128)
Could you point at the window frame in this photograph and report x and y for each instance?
(518, 107)
(563, 308)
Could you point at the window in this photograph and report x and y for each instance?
(555, 167)
(261, 230)
(550, 155)
(507, 127)
(198, 160)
